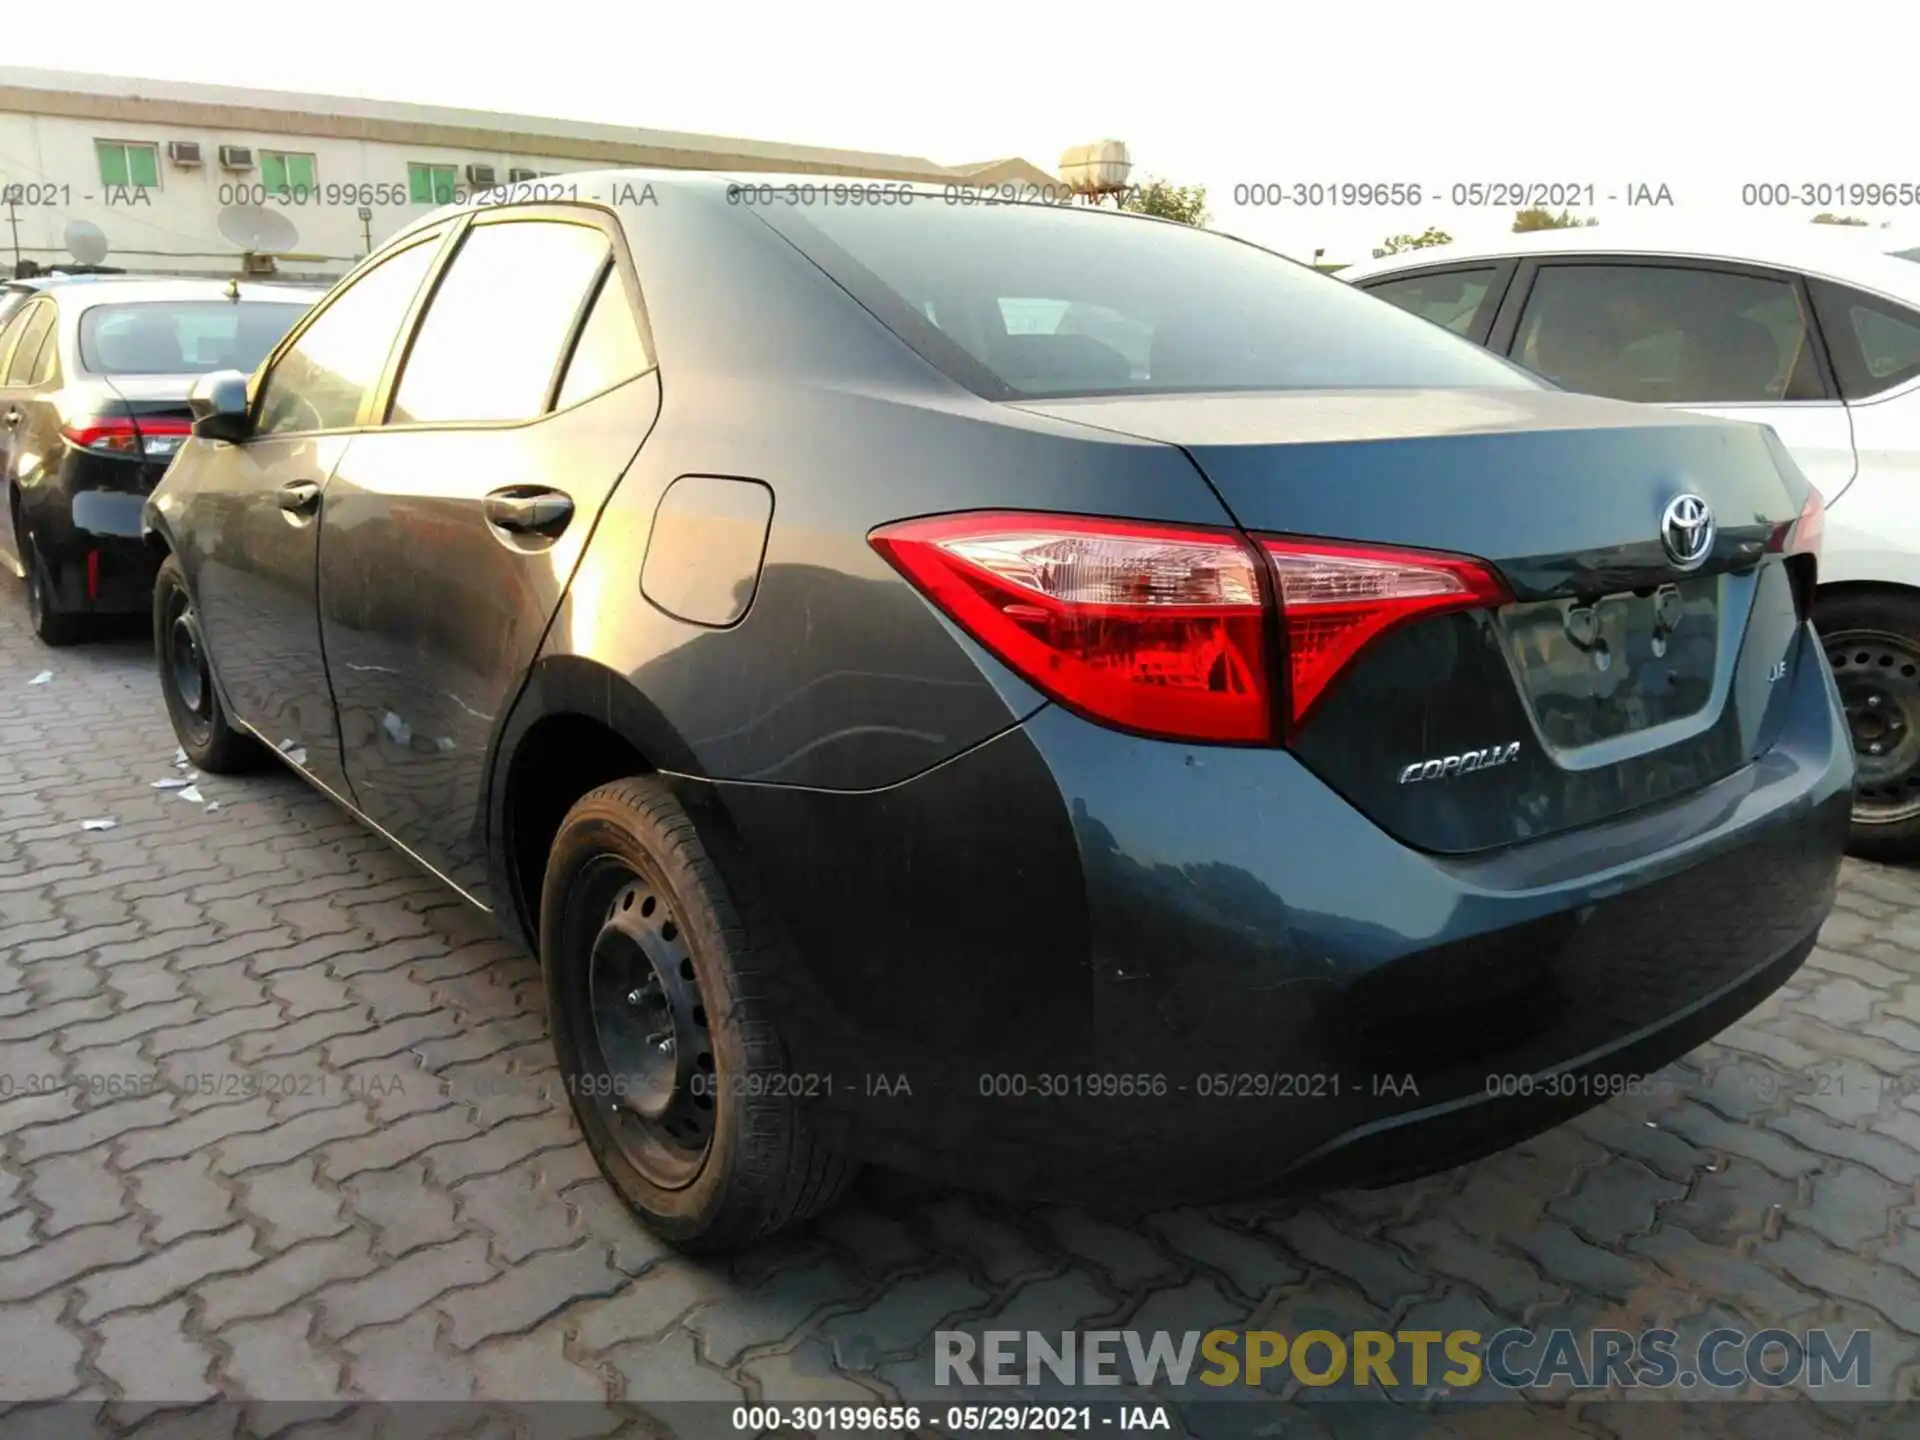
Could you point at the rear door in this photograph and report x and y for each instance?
(1462, 298)
(1736, 341)
(452, 530)
(250, 524)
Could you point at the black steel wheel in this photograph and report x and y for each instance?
(54, 624)
(649, 1021)
(667, 1026)
(186, 681)
(1872, 641)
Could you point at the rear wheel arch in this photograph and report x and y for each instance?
(577, 725)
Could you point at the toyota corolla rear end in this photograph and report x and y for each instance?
(134, 355)
(1472, 757)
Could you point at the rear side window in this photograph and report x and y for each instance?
(1875, 343)
(182, 337)
(1449, 297)
(610, 349)
(1039, 300)
(320, 382)
(38, 321)
(1669, 334)
(498, 325)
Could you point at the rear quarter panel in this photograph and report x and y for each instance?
(839, 676)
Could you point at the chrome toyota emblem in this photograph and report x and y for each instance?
(1687, 531)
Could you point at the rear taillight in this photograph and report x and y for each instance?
(153, 437)
(1163, 630)
(1338, 599)
(1804, 535)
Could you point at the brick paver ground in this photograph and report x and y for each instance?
(278, 1121)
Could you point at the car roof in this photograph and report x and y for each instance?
(126, 289)
(628, 186)
(1861, 256)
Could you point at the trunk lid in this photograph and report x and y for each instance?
(1616, 679)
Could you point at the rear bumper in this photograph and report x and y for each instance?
(1069, 961)
(89, 530)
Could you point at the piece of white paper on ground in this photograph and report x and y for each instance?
(397, 729)
(212, 805)
(179, 759)
(171, 783)
(42, 678)
(298, 754)
(101, 824)
(192, 792)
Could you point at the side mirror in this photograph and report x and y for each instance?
(220, 408)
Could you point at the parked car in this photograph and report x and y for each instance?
(1814, 331)
(1327, 756)
(16, 292)
(94, 375)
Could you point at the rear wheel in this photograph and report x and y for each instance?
(1872, 641)
(186, 680)
(54, 624)
(667, 1036)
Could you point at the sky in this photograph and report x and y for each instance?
(1701, 100)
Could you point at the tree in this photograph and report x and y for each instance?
(1525, 220)
(1827, 217)
(1395, 244)
(1184, 203)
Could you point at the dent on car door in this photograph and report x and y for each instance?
(246, 517)
(1726, 340)
(452, 531)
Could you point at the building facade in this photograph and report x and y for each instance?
(174, 177)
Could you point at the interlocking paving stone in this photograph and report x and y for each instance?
(416, 1216)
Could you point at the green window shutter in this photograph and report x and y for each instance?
(300, 172)
(420, 184)
(113, 162)
(273, 171)
(143, 165)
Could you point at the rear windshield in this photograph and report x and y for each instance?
(1033, 300)
(182, 337)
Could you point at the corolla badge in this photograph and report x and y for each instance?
(1465, 763)
(1686, 530)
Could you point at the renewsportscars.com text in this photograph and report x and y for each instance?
(1457, 1360)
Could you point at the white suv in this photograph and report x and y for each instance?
(1814, 330)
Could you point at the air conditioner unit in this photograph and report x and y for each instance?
(184, 152)
(260, 265)
(518, 174)
(236, 157)
(479, 174)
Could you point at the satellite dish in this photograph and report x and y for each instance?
(86, 242)
(258, 230)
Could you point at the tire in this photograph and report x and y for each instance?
(640, 937)
(1872, 640)
(200, 721)
(54, 625)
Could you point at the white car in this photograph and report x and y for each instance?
(1811, 329)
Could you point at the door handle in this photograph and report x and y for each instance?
(14, 417)
(528, 512)
(299, 497)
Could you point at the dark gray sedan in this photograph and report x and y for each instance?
(1052, 699)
